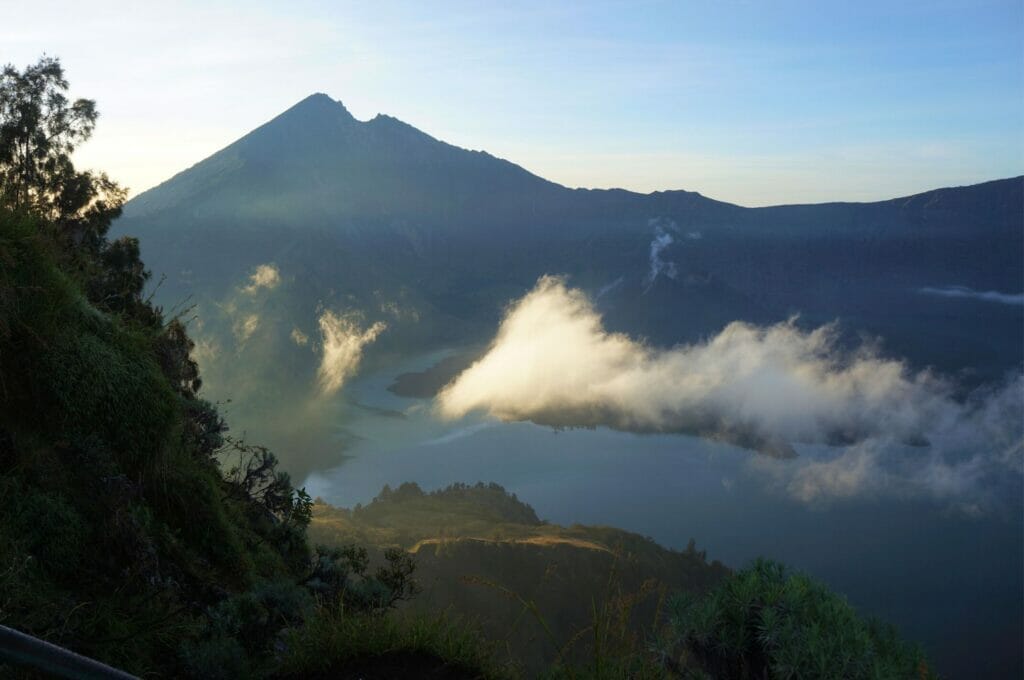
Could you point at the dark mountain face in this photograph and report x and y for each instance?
(316, 162)
(380, 220)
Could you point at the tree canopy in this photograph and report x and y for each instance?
(40, 128)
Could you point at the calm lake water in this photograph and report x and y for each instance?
(952, 583)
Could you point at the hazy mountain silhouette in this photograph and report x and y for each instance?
(372, 214)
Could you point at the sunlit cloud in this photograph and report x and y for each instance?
(245, 327)
(343, 341)
(299, 338)
(767, 389)
(266, 276)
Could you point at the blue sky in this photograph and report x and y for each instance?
(752, 102)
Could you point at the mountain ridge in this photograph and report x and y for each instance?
(314, 122)
(320, 108)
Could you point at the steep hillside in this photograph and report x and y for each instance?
(132, 528)
(118, 529)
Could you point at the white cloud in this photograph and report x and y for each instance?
(975, 447)
(245, 327)
(763, 388)
(343, 342)
(852, 473)
(299, 338)
(266, 276)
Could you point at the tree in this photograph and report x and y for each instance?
(767, 622)
(39, 130)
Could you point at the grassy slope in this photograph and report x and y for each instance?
(597, 601)
(534, 586)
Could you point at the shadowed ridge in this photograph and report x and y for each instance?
(316, 162)
(310, 122)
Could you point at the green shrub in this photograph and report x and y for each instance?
(767, 622)
(106, 385)
(56, 533)
(120, 537)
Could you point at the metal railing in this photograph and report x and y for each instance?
(25, 650)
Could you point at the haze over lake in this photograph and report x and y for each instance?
(947, 579)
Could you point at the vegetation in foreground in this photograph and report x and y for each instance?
(135, 530)
(601, 602)
(767, 622)
(534, 587)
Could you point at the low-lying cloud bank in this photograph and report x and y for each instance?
(762, 388)
(970, 293)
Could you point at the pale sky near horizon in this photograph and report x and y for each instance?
(755, 103)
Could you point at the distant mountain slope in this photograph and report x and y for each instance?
(379, 220)
(385, 188)
(316, 160)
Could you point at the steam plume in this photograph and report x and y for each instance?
(662, 240)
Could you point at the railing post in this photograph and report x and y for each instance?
(25, 650)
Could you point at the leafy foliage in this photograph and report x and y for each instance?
(39, 130)
(120, 535)
(767, 622)
(340, 579)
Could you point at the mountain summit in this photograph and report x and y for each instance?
(317, 159)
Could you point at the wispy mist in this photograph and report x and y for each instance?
(265, 276)
(658, 266)
(343, 341)
(974, 453)
(965, 292)
(245, 326)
